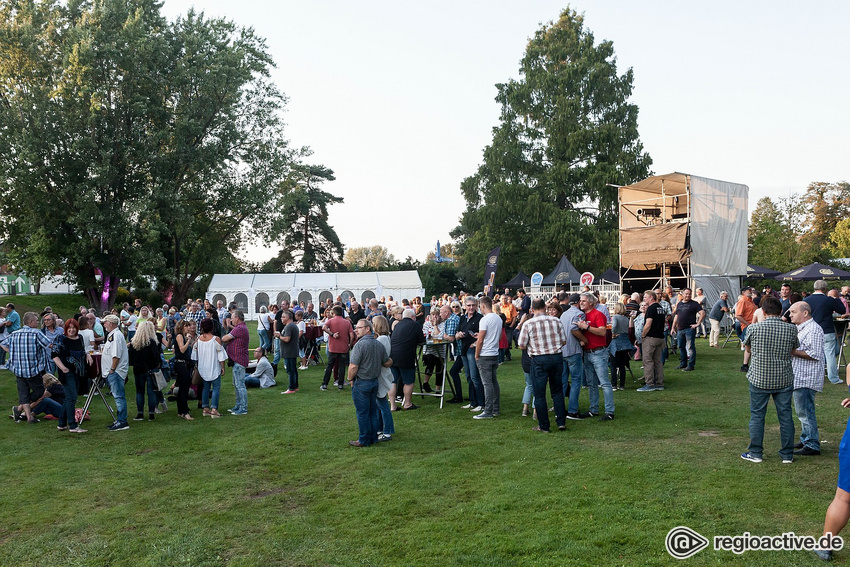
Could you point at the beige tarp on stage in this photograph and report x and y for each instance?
(665, 243)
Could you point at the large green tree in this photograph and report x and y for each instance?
(566, 134)
(132, 145)
(309, 239)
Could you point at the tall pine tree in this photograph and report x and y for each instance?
(566, 134)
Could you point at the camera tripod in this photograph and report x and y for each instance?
(96, 384)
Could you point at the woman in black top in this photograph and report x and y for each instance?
(184, 337)
(70, 358)
(145, 357)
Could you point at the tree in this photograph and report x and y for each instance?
(824, 205)
(375, 257)
(303, 227)
(566, 132)
(439, 278)
(839, 240)
(150, 146)
(776, 233)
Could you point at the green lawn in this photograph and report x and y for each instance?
(282, 486)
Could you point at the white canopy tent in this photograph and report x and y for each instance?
(684, 230)
(251, 291)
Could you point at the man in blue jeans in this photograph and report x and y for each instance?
(771, 376)
(115, 365)
(573, 370)
(596, 356)
(686, 318)
(467, 334)
(543, 336)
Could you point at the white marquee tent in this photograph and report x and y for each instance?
(251, 291)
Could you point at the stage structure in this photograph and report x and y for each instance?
(685, 231)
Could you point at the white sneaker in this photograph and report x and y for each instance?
(477, 408)
(302, 368)
(467, 406)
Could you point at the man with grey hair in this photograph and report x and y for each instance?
(596, 356)
(823, 307)
(807, 363)
(115, 364)
(29, 351)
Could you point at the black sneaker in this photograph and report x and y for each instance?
(681, 366)
(562, 428)
(324, 387)
(426, 387)
(151, 416)
(607, 417)
(688, 369)
(117, 426)
(575, 416)
(16, 414)
(139, 417)
(589, 414)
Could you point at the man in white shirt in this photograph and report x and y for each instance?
(487, 357)
(115, 364)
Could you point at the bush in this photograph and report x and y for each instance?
(122, 296)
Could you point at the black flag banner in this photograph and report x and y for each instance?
(490, 270)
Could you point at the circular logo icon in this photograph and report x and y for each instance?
(586, 278)
(536, 279)
(826, 272)
(683, 542)
(492, 259)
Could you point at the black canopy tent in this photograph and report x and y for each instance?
(814, 272)
(564, 274)
(759, 273)
(518, 281)
(609, 275)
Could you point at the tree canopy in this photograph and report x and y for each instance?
(134, 145)
(566, 133)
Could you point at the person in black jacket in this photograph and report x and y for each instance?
(406, 336)
(144, 353)
(467, 334)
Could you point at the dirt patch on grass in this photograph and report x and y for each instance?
(144, 452)
(267, 492)
(708, 433)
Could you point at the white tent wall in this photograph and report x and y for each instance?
(718, 228)
(246, 289)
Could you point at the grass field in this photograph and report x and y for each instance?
(281, 486)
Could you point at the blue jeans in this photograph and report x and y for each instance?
(143, 380)
(473, 378)
(365, 396)
(49, 406)
(596, 372)
(277, 346)
(292, 371)
(215, 386)
(265, 341)
(487, 366)
(548, 368)
(830, 351)
(758, 408)
(116, 386)
(528, 392)
(687, 348)
(68, 416)
(574, 372)
(386, 424)
(804, 404)
(240, 388)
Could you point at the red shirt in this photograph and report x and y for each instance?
(342, 326)
(594, 318)
(237, 349)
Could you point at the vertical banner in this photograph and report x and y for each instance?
(490, 270)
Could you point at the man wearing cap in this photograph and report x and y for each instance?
(823, 307)
(573, 373)
(744, 310)
(115, 365)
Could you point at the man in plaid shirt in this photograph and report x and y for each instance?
(29, 350)
(808, 364)
(771, 376)
(544, 337)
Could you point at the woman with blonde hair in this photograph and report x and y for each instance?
(144, 354)
(386, 386)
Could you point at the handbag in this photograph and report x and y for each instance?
(196, 378)
(159, 381)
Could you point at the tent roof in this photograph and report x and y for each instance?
(518, 280)
(674, 184)
(564, 273)
(237, 282)
(273, 281)
(758, 273)
(813, 272)
(609, 275)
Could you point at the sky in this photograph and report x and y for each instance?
(398, 97)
